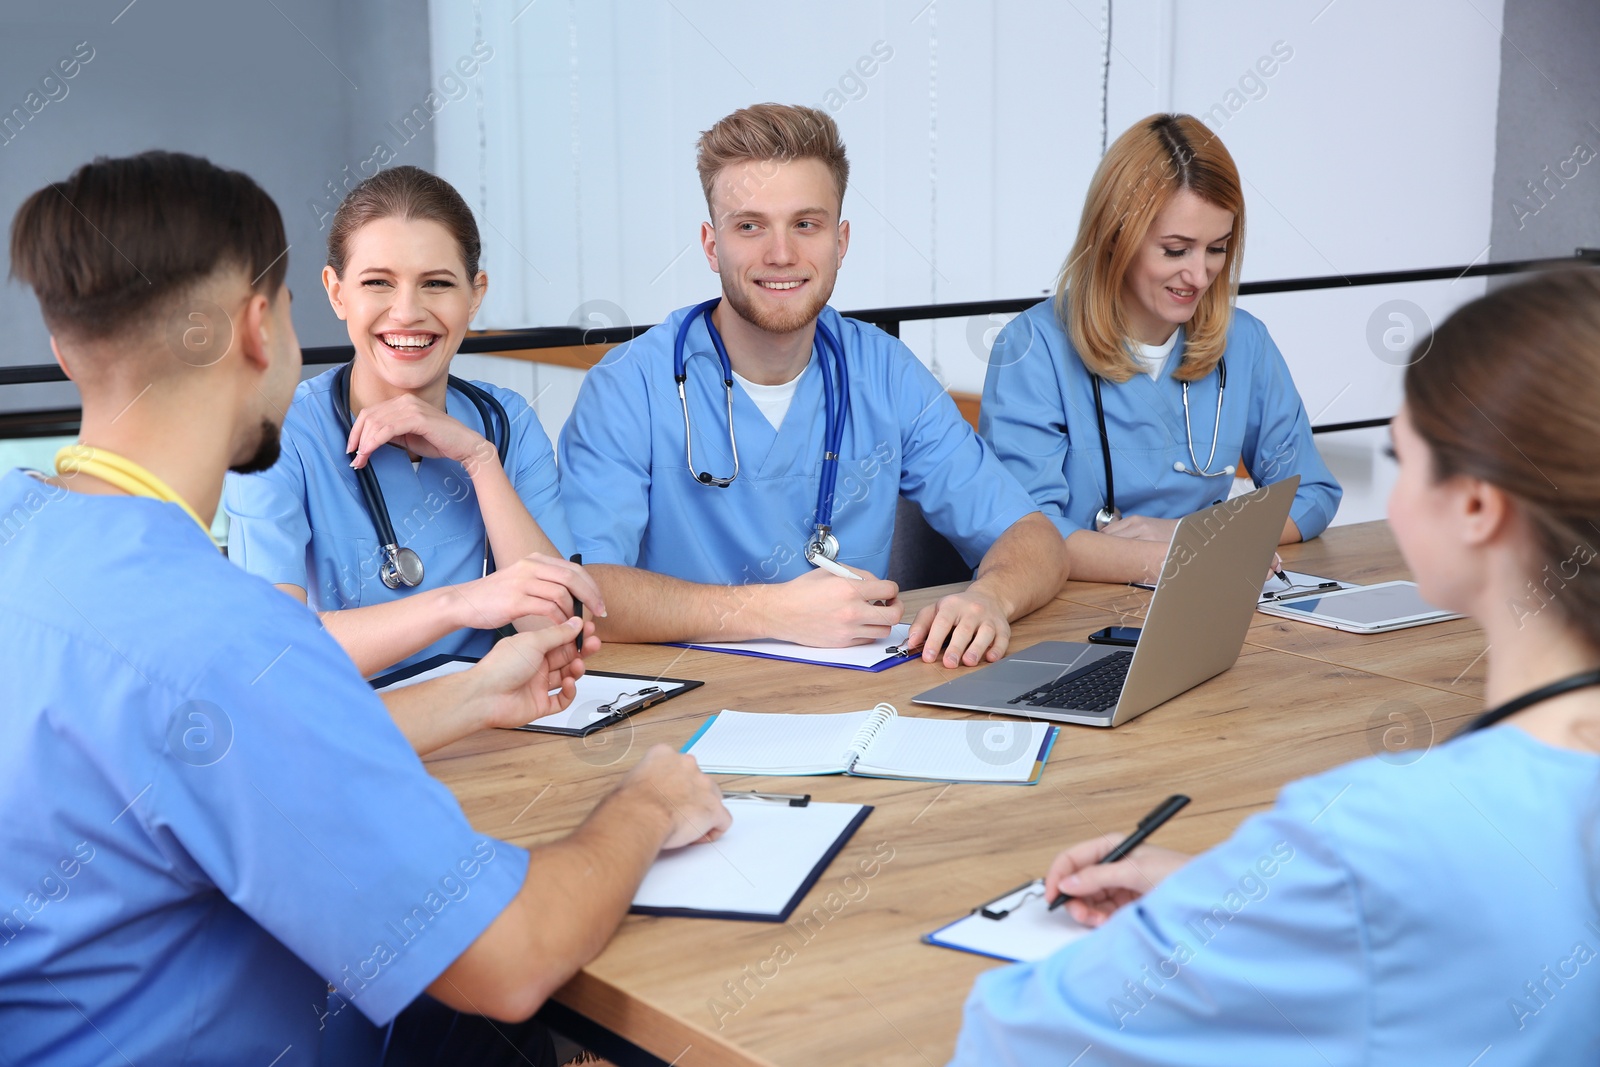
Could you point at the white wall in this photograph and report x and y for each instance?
(1371, 147)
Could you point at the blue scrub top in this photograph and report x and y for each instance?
(304, 522)
(633, 501)
(1381, 913)
(1038, 413)
(208, 815)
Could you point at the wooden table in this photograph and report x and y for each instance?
(856, 985)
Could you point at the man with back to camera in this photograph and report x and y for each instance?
(748, 490)
(176, 732)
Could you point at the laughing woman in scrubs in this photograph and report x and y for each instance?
(490, 534)
(1127, 401)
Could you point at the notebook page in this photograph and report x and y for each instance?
(754, 868)
(975, 750)
(744, 742)
(868, 655)
(1031, 932)
(594, 691)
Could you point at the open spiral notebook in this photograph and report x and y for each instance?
(880, 743)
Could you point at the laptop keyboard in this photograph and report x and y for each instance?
(1092, 688)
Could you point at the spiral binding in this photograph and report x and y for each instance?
(869, 730)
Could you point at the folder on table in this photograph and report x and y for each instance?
(875, 656)
(759, 870)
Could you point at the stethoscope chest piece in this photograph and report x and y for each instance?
(824, 544)
(1105, 517)
(401, 567)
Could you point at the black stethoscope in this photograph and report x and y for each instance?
(836, 398)
(1582, 680)
(1110, 513)
(402, 566)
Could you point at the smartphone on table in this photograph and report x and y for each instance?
(1127, 636)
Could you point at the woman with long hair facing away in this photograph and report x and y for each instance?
(1129, 399)
(1444, 911)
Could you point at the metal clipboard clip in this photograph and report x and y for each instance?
(794, 800)
(638, 700)
(1296, 592)
(1006, 903)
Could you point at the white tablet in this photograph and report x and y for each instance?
(1364, 609)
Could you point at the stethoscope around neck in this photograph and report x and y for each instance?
(1110, 513)
(1495, 716)
(402, 566)
(836, 398)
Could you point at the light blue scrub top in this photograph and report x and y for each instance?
(633, 501)
(1038, 413)
(208, 816)
(1440, 912)
(304, 522)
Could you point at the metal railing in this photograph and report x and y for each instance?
(64, 421)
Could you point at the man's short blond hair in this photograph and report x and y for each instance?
(777, 132)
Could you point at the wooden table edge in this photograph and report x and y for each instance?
(652, 1028)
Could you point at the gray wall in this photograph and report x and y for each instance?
(252, 86)
(1549, 108)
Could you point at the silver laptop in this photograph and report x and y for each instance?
(1206, 593)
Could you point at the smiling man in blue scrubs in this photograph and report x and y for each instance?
(215, 836)
(716, 550)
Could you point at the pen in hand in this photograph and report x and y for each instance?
(577, 605)
(1147, 826)
(835, 568)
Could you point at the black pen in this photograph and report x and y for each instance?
(1282, 577)
(577, 605)
(1147, 826)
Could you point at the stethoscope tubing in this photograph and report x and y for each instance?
(490, 411)
(836, 401)
(1110, 508)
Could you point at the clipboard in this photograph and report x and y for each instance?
(1301, 585)
(760, 870)
(633, 694)
(1017, 927)
(874, 657)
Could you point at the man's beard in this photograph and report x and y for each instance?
(266, 453)
(779, 322)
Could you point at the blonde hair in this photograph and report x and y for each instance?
(1140, 174)
(776, 132)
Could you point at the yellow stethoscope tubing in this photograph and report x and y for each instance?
(124, 474)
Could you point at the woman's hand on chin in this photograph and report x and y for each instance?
(421, 429)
